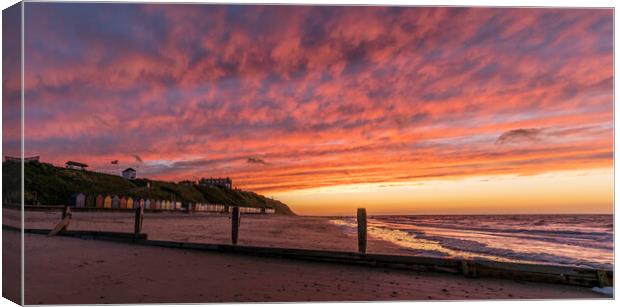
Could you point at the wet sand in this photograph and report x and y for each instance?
(64, 270)
(69, 270)
(255, 230)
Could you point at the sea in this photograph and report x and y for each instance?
(575, 240)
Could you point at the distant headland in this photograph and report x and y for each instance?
(50, 185)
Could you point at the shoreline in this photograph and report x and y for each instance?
(255, 230)
(281, 231)
(143, 266)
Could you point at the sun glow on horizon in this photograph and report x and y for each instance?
(582, 191)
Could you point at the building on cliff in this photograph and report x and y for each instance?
(225, 183)
(129, 174)
(76, 165)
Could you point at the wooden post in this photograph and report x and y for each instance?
(137, 228)
(64, 222)
(235, 224)
(469, 268)
(603, 281)
(66, 212)
(361, 230)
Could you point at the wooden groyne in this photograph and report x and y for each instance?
(577, 276)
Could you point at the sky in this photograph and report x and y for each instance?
(398, 109)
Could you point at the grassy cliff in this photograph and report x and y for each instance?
(51, 185)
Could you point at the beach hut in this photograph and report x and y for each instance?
(178, 205)
(72, 200)
(168, 205)
(90, 201)
(115, 202)
(158, 204)
(147, 204)
(129, 203)
(122, 202)
(99, 201)
(80, 200)
(107, 202)
(142, 203)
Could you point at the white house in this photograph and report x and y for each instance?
(129, 173)
(76, 165)
(225, 183)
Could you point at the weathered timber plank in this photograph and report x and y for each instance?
(60, 226)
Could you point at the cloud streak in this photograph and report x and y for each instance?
(520, 136)
(253, 160)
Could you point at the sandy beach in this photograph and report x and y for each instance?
(255, 230)
(70, 270)
(85, 271)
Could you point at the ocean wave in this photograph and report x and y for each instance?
(566, 240)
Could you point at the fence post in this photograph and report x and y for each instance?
(138, 220)
(64, 222)
(469, 268)
(66, 211)
(361, 230)
(235, 224)
(603, 281)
